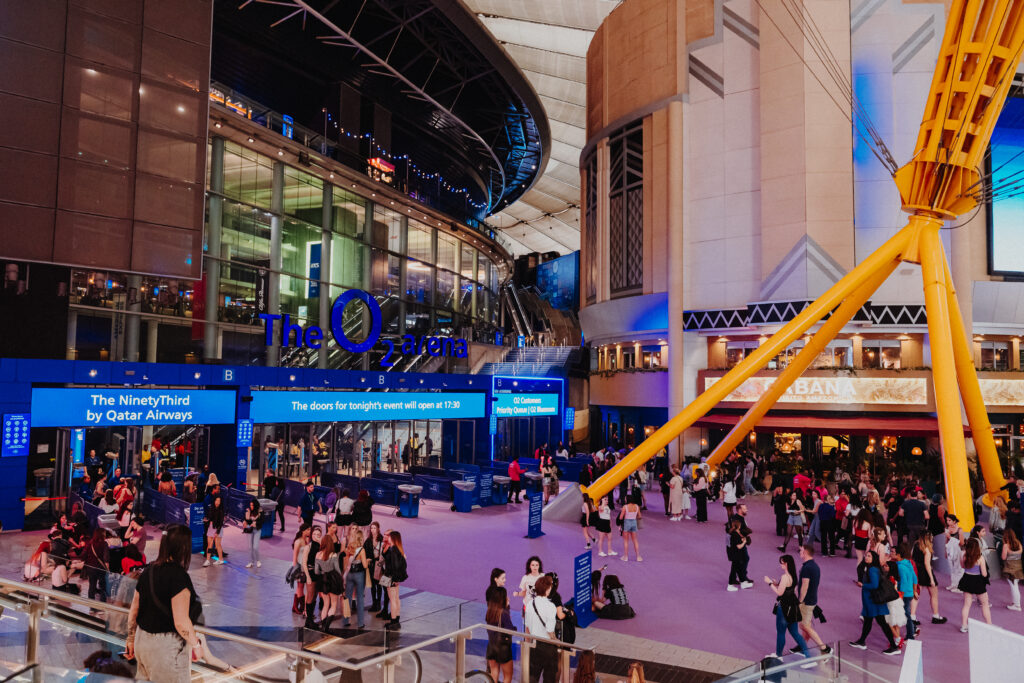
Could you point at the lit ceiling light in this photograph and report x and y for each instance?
(181, 109)
(217, 125)
(280, 152)
(252, 139)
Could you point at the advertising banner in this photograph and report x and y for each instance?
(350, 406)
(195, 525)
(313, 290)
(582, 589)
(15, 434)
(536, 516)
(120, 407)
(525, 405)
(844, 390)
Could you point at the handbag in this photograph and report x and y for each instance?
(385, 581)
(885, 593)
(790, 606)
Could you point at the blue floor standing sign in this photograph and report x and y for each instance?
(582, 589)
(536, 515)
(196, 512)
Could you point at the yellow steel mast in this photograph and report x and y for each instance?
(977, 60)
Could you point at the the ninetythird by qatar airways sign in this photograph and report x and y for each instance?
(312, 336)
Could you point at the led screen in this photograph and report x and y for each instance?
(1006, 215)
(558, 281)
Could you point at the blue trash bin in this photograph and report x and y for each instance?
(269, 509)
(409, 500)
(463, 495)
(534, 483)
(499, 490)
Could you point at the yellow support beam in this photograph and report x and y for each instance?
(814, 312)
(947, 394)
(974, 404)
(839, 318)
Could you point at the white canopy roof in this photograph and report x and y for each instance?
(548, 40)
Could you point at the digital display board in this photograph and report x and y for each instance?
(15, 434)
(133, 407)
(525, 405)
(336, 406)
(558, 281)
(244, 434)
(1006, 212)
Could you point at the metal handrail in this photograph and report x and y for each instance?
(11, 590)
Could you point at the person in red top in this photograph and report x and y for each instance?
(842, 502)
(515, 473)
(803, 482)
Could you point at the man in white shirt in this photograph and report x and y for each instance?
(539, 620)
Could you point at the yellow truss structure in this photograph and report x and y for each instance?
(978, 58)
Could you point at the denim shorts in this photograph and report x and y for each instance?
(628, 525)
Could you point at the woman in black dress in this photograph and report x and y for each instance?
(974, 582)
(499, 645)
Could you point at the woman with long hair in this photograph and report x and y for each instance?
(1012, 572)
(215, 532)
(395, 572)
(921, 554)
(974, 582)
(630, 515)
(794, 520)
(586, 667)
(700, 492)
(871, 578)
(252, 525)
(878, 544)
(97, 563)
(955, 539)
(675, 495)
(164, 611)
(331, 583)
(603, 526)
(313, 577)
(534, 570)
(374, 546)
(586, 518)
(499, 645)
(498, 579)
(862, 525)
(787, 606)
(300, 549)
(362, 511)
(108, 504)
(355, 578)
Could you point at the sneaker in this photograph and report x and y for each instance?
(892, 650)
(795, 649)
(258, 565)
(781, 548)
(612, 553)
(956, 590)
(207, 563)
(732, 588)
(747, 584)
(963, 629)
(857, 644)
(249, 566)
(1015, 608)
(939, 620)
(827, 650)
(917, 624)
(603, 554)
(639, 559)
(220, 561)
(624, 558)
(588, 546)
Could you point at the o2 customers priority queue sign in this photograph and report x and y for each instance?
(120, 407)
(312, 336)
(525, 405)
(338, 406)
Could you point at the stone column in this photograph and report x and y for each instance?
(676, 281)
(152, 334)
(276, 261)
(132, 320)
(211, 266)
(72, 335)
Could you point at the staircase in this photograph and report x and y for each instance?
(535, 361)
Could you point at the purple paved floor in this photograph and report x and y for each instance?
(679, 589)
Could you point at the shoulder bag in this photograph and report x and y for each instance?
(885, 593)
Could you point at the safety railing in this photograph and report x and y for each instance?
(34, 616)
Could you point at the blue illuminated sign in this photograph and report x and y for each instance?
(525, 405)
(119, 407)
(287, 126)
(77, 446)
(244, 434)
(336, 406)
(293, 334)
(15, 434)
(570, 419)
(313, 290)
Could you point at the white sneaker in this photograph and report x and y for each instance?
(732, 588)
(258, 565)
(747, 584)
(1015, 608)
(603, 554)
(612, 553)
(249, 566)
(219, 561)
(624, 558)
(963, 629)
(207, 563)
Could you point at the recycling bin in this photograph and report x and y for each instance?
(43, 476)
(499, 490)
(409, 500)
(534, 484)
(464, 495)
(269, 508)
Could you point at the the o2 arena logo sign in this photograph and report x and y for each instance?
(311, 336)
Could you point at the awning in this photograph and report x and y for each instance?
(815, 424)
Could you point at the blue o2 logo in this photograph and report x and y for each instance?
(312, 336)
(338, 329)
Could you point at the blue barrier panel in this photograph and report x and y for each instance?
(398, 477)
(345, 481)
(383, 491)
(428, 471)
(464, 466)
(434, 488)
(162, 509)
(570, 469)
(92, 512)
(293, 491)
(235, 503)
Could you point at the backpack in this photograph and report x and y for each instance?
(565, 629)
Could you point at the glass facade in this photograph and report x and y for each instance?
(427, 280)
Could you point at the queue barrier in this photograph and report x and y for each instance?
(161, 508)
(399, 477)
(345, 481)
(434, 488)
(428, 471)
(461, 466)
(383, 491)
(92, 512)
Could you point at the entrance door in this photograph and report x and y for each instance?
(466, 442)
